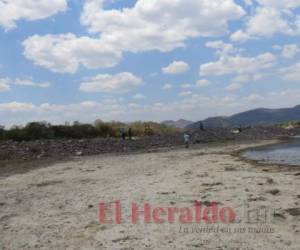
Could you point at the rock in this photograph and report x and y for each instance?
(279, 215)
(293, 211)
(78, 153)
(257, 199)
(41, 155)
(273, 191)
(212, 184)
(270, 181)
(230, 169)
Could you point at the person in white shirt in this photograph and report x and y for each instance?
(186, 137)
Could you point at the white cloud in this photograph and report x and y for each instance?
(269, 18)
(238, 81)
(277, 47)
(202, 83)
(65, 53)
(253, 98)
(242, 69)
(241, 79)
(119, 83)
(13, 10)
(185, 93)
(239, 36)
(4, 84)
(280, 4)
(20, 113)
(291, 73)
(266, 22)
(139, 97)
(186, 86)
(176, 67)
(238, 65)
(234, 87)
(16, 107)
(167, 86)
(222, 49)
(162, 25)
(289, 51)
(297, 24)
(159, 24)
(248, 2)
(193, 107)
(30, 83)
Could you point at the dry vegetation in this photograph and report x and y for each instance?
(45, 130)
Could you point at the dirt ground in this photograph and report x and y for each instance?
(56, 207)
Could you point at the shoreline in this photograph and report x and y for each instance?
(267, 163)
(11, 167)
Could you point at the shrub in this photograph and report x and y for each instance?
(44, 130)
(38, 130)
(2, 132)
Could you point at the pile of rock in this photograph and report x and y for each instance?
(244, 134)
(11, 150)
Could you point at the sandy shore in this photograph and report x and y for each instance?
(57, 207)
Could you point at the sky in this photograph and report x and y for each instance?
(130, 60)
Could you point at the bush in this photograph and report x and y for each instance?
(2, 132)
(44, 130)
(106, 130)
(15, 133)
(38, 130)
(290, 123)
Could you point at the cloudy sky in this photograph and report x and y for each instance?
(67, 60)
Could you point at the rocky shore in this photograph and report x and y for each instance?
(40, 149)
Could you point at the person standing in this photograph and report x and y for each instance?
(186, 137)
(201, 126)
(123, 134)
(130, 134)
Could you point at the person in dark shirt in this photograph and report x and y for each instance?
(123, 133)
(201, 126)
(130, 133)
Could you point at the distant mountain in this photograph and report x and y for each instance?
(252, 118)
(178, 124)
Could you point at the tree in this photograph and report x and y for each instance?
(2, 132)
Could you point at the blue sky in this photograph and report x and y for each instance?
(132, 60)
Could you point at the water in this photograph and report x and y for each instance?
(285, 153)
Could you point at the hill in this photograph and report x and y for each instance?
(256, 117)
(178, 124)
